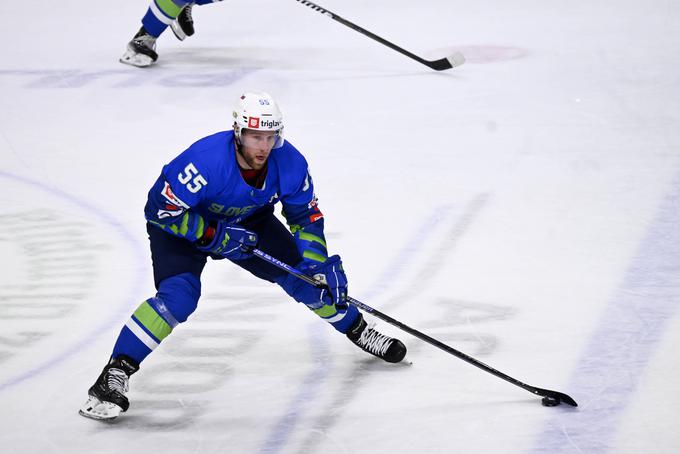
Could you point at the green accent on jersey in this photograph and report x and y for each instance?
(184, 225)
(314, 256)
(294, 228)
(183, 230)
(216, 208)
(200, 228)
(169, 8)
(326, 311)
(152, 321)
(309, 237)
(223, 244)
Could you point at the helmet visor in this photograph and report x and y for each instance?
(261, 139)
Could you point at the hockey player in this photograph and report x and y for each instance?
(216, 199)
(141, 50)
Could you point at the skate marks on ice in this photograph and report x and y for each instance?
(182, 380)
(432, 267)
(125, 78)
(457, 324)
(58, 263)
(195, 67)
(630, 331)
(54, 268)
(446, 324)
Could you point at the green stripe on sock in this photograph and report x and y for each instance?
(326, 311)
(152, 321)
(169, 8)
(309, 237)
(314, 256)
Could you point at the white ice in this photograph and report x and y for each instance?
(523, 208)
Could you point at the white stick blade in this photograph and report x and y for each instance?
(456, 59)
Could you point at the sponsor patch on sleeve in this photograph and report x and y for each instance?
(315, 217)
(173, 205)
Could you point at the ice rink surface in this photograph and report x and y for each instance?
(523, 208)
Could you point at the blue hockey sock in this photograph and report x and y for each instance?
(144, 330)
(341, 317)
(155, 318)
(160, 14)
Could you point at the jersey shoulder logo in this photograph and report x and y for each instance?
(173, 205)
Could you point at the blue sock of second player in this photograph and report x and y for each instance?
(161, 13)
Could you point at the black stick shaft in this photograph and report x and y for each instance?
(422, 336)
(438, 65)
(438, 344)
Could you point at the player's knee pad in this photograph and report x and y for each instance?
(178, 295)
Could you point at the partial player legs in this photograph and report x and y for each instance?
(183, 26)
(146, 328)
(106, 398)
(141, 50)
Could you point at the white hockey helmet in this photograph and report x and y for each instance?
(259, 112)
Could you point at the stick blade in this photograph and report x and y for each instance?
(557, 395)
(449, 62)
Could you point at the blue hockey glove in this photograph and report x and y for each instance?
(331, 274)
(232, 242)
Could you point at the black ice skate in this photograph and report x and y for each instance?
(183, 25)
(371, 341)
(107, 396)
(141, 51)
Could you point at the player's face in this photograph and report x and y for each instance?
(256, 146)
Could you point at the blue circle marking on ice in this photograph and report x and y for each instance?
(135, 287)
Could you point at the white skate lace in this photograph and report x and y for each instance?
(374, 342)
(117, 380)
(146, 41)
(187, 12)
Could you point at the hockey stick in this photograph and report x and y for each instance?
(550, 398)
(451, 61)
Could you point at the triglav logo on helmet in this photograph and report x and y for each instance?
(270, 124)
(257, 123)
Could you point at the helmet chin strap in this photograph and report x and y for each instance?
(239, 150)
(237, 141)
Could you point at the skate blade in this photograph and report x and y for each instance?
(134, 59)
(405, 362)
(177, 30)
(101, 411)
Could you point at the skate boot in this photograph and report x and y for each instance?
(141, 51)
(107, 396)
(183, 25)
(371, 341)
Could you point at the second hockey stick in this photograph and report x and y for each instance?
(449, 62)
(550, 398)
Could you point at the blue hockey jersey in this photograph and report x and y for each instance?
(204, 184)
